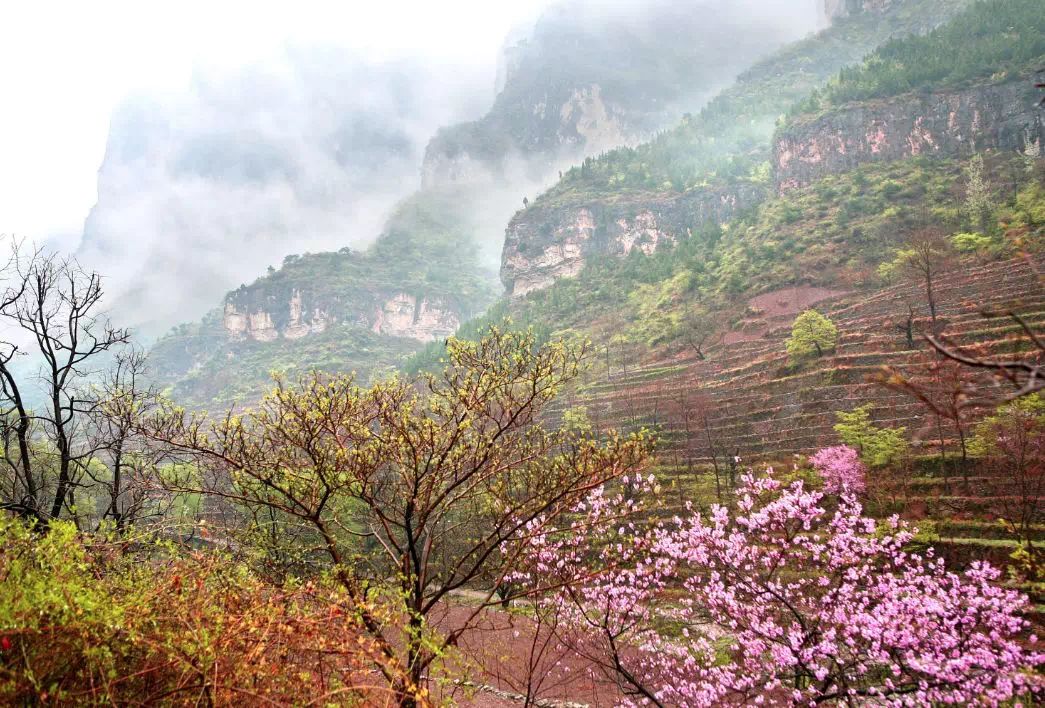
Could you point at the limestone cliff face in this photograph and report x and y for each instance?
(405, 315)
(394, 314)
(241, 321)
(948, 124)
(545, 243)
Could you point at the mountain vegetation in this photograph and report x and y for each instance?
(728, 138)
(991, 39)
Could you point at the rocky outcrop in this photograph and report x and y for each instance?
(545, 243)
(397, 315)
(405, 315)
(563, 124)
(834, 9)
(1002, 115)
(242, 322)
(587, 77)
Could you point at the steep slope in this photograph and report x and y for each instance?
(336, 311)
(592, 76)
(718, 158)
(965, 87)
(429, 269)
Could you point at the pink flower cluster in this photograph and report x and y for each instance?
(841, 469)
(780, 602)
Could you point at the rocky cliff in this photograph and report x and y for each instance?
(396, 314)
(547, 242)
(952, 123)
(835, 9)
(588, 78)
(704, 170)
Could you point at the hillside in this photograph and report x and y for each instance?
(432, 265)
(744, 407)
(588, 78)
(689, 298)
(719, 158)
(341, 311)
(727, 139)
(921, 97)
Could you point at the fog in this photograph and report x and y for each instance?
(181, 149)
(305, 151)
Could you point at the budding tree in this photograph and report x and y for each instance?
(416, 490)
(58, 340)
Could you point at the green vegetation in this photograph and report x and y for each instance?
(877, 446)
(990, 39)
(426, 249)
(812, 333)
(729, 139)
(209, 371)
(87, 620)
(1024, 417)
(832, 233)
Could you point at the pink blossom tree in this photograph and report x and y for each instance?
(841, 469)
(780, 602)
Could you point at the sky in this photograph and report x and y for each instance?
(64, 66)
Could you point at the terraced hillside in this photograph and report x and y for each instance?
(759, 405)
(745, 401)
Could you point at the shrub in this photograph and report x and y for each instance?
(812, 333)
(877, 446)
(83, 623)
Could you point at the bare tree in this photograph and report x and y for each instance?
(907, 325)
(122, 400)
(1026, 374)
(59, 334)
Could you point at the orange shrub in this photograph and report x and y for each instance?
(83, 623)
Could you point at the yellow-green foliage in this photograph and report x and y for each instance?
(877, 446)
(83, 621)
(972, 243)
(659, 318)
(890, 270)
(1026, 414)
(811, 334)
(1024, 222)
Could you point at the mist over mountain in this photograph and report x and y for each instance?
(309, 149)
(305, 151)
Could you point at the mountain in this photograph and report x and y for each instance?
(346, 310)
(711, 166)
(590, 77)
(202, 188)
(688, 293)
(578, 83)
